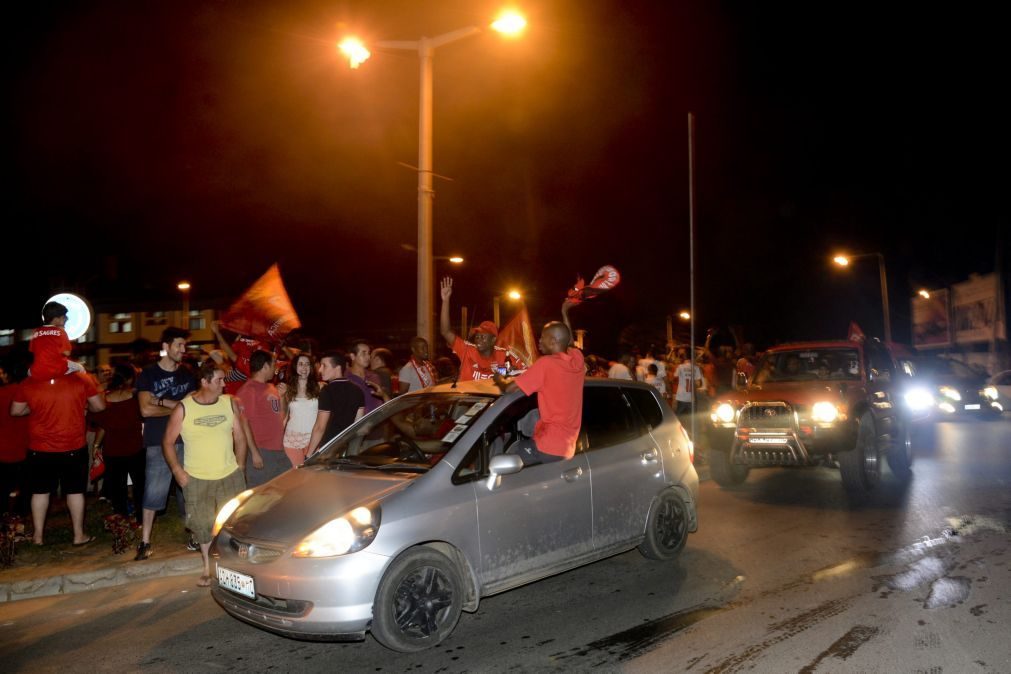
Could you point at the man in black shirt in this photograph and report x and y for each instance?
(341, 403)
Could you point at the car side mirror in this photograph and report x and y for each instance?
(503, 464)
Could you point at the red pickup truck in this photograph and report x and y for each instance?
(835, 403)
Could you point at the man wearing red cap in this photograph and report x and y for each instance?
(480, 359)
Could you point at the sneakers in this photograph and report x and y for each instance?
(192, 545)
(143, 552)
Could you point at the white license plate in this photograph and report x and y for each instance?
(769, 441)
(236, 582)
(972, 407)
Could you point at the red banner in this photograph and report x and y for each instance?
(518, 337)
(264, 311)
(606, 278)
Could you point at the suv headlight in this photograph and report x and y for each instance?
(724, 412)
(919, 399)
(228, 510)
(990, 392)
(950, 393)
(348, 533)
(824, 412)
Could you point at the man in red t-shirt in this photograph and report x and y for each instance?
(480, 359)
(263, 420)
(58, 448)
(50, 345)
(557, 379)
(13, 450)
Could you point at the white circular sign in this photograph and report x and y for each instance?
(78, 313)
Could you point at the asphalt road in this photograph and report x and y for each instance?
(785, 575)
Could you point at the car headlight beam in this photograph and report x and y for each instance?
(990, 392)
(919, 399)
(824, 412)
(228, 510)
(725, 412)
(950, 393)
(348, 533)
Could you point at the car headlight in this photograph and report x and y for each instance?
(339, 536)
(950, 393)
(725, 412)
(228, 510)
(824, 412)
(990, 392)
(919, 399)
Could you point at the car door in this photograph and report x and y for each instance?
(535, 522)
(626, 470)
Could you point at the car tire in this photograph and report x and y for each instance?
(418, 602)
(861, 466)
(666, 527)
(723, 472)
(900, 453)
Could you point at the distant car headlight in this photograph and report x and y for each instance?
(919, 399)
(824, 412)
(946, 407)
(991, 392)
(228, 510)
(950, 393)
(341, 535)
(725, 412)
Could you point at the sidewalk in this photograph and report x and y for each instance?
(61, 568)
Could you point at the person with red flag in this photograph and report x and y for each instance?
(419, 372)
(481, 358)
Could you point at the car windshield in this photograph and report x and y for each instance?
(940, 367)
(809, 364)
(408, 433)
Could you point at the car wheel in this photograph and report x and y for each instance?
(723, 472)
(419, 601)
(900, 453)
(666, 527)
(861, 466)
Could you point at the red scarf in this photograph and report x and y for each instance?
(426, 372)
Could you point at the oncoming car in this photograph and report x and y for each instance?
(418, 510)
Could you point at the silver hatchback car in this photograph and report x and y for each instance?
(418, 510)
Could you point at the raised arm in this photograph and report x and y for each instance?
(446, 291)
(566, 305)
(222, 342)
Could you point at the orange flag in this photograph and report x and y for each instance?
(264, 311)
(518, 337)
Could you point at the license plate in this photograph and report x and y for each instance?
(972, 407)
(237, 582)
(769, 441)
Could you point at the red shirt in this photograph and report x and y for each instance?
(48, 346)
(56, 422)
(558, 381)
(244, 347)
(261, 404)
(475, 366)
(13, 430)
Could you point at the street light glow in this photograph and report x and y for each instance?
(685, 316)
(355, 50)
(514, 295)
(183, 285)
(510, 23)
(841, 260)
(924, 294)
(456, 259)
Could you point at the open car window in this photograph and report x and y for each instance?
(836, 364)
(417, 430)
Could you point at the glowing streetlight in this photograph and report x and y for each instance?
(509, 24)
(685, 316)
(924, 294)
(456, 259)
(514, 295)
(844, 260)
(184, 288)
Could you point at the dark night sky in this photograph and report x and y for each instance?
(151, 142)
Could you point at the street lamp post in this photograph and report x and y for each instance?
(514, 295)
(184, 288)
(509, 24)
(844, 260)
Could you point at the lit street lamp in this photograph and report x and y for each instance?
(685, 316)
(514, 295)
(844, 260)
(184, 288)
(509, 24)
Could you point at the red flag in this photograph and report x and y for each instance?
(606, 278)
(518, 337)
(856, 334)
(264, 311)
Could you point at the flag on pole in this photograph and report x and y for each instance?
(606, 278)
(518, 338)
(856, 334)
(264, 311)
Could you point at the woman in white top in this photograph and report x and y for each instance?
(300, 401)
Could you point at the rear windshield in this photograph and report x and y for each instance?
(809, 364)
(415, 430)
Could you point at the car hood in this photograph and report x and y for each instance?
(795, 393)
(297, 503)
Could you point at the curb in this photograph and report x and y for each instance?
(82, 581)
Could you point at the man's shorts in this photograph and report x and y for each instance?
(158, 477)
(275, 462)
(66, 470)
(205, 498)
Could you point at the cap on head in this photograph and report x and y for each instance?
(486, 328)
(52, 310)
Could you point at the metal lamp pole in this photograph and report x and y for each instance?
(844, 260)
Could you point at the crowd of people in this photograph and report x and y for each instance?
(205, 424)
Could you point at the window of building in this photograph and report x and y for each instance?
(6, 337)
(155, 318)
(196, 320)
(121, 323)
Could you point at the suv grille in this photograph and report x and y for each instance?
(767, 415)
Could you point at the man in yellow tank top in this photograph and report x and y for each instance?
(215, 457)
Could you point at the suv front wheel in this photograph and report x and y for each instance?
(861, 466)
